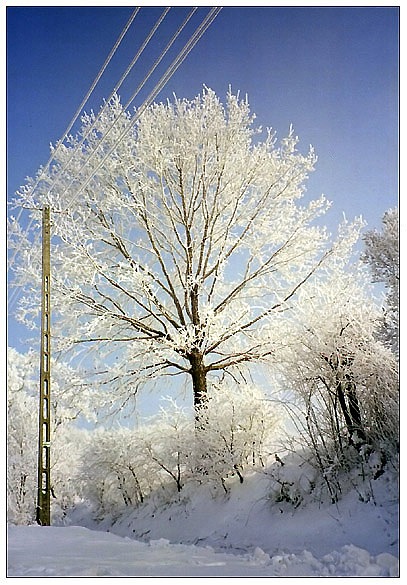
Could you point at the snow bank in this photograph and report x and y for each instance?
(250, 531)
(251, 515)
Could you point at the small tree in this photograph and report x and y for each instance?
(166, 442)
(125, 467)
(178, 235)
(382, 255)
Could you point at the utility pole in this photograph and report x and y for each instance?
(44, 483)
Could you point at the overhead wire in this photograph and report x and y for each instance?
(128, 103)
(79, 110)
(88, 94)
(118, 85)
(142, 47)
(159, 86)
(160, 58)
(164, 79)
(77, 114)
(132, 98)
(99, 75)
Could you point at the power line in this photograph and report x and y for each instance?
(79, 111)
(117, 86)
(160, 58)
(141, 49)
(132, 98)
(210, 17)
(88, 94)
(179, 60)
(99, 75)
(15, 293)
(125, 74)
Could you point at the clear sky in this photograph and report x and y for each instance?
(333, 72)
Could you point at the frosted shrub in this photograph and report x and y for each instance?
(123, 467)
(238, 423)
(347, 413)
(382, 255)
(22, 456)
(225, 438)
(167, 443)
(114, 471)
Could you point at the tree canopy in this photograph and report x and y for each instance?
(178, 237)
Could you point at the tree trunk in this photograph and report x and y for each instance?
(342, 401)
(350, 411)
(198, 372)
(354, 409)
(347, 397)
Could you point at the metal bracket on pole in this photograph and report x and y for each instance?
(44, 464)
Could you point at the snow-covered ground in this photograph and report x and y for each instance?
(243, 533)
(77, 551)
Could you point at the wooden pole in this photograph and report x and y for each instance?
(44, 464)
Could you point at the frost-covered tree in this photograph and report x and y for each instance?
(178, 234)
(344, 380)
(239, 422)
(22, 442)
(382, 255)
(68, 402)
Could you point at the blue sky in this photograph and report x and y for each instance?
(331, 72)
